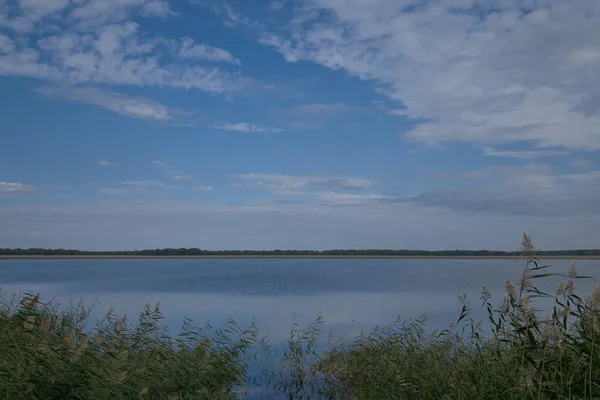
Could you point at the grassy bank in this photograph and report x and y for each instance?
(518, 352)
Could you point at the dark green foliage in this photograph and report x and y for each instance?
(46, 353)
(268, 253)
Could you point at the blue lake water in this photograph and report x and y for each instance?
(351, 294)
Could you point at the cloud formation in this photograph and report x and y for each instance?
(471, 71)
(532, 190)
(524, 154)
(326, 190)
(175, 174)
(188, 49)
(104, 44)
(97, 12)
(279, 183)
(13, 188)
(136, 107)
(144, 183)
(246, 127)
(161, 164)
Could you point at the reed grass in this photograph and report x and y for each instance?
(49, 353)
(518, 352)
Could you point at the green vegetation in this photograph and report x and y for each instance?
(519, 353)
(46, 353)
(268, 253)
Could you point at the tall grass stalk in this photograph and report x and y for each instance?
(518, 353)
(47, 353)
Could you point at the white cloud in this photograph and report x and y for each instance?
(37, 15)
(203, 188)
(480, 72)
(157, 8)
(189, 49)
(105, 163)
(99, 12)
(35, 10)
(336, 198)
(246, 127)
(106, 46)
(23, 16)
(175, 174)
(161, 164)
(144, 183)
(136, 107)
(279, 183)
(7, 188)
(233, 18)
(525, 154)
(178, 177)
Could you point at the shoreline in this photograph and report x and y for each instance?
(83, 257)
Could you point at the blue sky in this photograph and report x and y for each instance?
(299, 123)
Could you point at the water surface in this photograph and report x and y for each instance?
(352, 294)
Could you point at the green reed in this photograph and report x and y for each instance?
(518, 353)
(49, 353)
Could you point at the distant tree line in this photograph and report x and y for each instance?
(367, 252)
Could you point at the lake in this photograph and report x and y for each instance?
(351, 294)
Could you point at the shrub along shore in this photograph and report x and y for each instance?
(195, 252)
(52, 352)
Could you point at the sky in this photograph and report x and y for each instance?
(247, 124)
